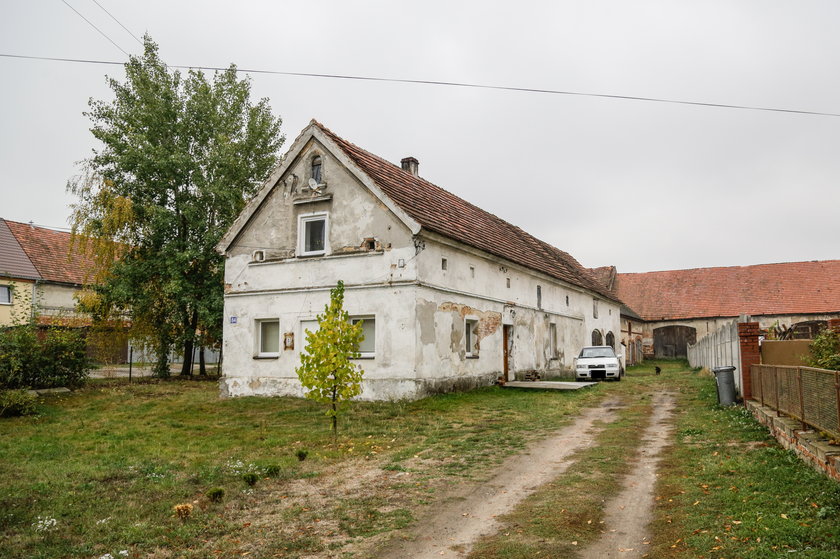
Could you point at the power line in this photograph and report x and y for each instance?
(118, 22)
(455, 84)
(95, 27)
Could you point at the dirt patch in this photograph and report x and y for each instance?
(628, 515)
(471, 510)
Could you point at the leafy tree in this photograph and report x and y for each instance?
(825, 350)
(326, 369)
(179, 157)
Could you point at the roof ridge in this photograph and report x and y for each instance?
(441, 211)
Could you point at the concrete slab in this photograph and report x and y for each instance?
(548, 384)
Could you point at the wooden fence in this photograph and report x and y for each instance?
(810, 395)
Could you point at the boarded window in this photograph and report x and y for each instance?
(269, 343)
(367, 347)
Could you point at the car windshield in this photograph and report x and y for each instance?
(597, 352)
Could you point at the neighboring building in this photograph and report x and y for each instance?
(39, 274)
(632, 331)
(681, 306)
(451, 296)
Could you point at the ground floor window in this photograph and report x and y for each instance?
(470, 338)
(269, 337)
(5, 295)
(597, 338)
(367, 347)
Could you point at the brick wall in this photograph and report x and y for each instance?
(748, 333)
(834, 324)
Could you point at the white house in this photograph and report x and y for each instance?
(452, 297)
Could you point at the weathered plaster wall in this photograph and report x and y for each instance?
(354, 214)
(388, 375)
(56, 300)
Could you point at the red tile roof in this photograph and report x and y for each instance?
(764, 289)
(50, 252)
(442, 212)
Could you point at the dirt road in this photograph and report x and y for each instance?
(455, 525)
(627, 516)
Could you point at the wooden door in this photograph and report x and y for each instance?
(507, 349)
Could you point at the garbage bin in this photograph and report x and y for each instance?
(725, 379)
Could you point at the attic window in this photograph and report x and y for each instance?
(312, 234)
(507, 282)
(539, 297)
(595, 309)
(567, 300)
(472, 271)
(370, 244)
(443, 263)
(259, 255)
(316, 169)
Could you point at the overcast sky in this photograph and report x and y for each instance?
(640, 185)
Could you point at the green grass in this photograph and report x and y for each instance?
(109, 462)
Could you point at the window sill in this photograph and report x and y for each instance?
(312, 254)
(364, 357)
(472, 356)
(270, 356)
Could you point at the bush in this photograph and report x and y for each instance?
(302, 454)
(17, 402)
(42, 358)
(825, 350)
(273, 470)
(250, 478)
(216, 495)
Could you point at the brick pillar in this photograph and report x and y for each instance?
(748, 334)
(834, 324)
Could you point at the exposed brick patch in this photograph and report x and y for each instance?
(805, 443)
(748, 333)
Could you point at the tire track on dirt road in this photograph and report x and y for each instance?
(627, 517)
(451, 528)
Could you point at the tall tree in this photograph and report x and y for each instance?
(179, 157)
(326, 369)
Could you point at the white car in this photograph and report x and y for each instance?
(598, 362)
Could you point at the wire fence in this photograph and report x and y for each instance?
(810, 395)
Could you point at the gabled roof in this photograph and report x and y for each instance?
(764, 289)
(49, 253)
(442, 212)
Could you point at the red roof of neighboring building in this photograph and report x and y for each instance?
(442, 212)
(50, 253)
(764, 289)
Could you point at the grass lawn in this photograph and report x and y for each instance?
(99, 471)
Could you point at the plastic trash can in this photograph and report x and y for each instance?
(725, 379)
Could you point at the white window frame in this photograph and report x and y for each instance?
(470, 324)
(356, 318)
(11, 291)
(259, 324)
(303, 219)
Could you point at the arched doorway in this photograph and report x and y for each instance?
(597, 338)
(672, 341)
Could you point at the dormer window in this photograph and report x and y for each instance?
(316, 169)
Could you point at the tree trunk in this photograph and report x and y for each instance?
(202, 366)
(334, 415)
(162, 364)
(189, 344)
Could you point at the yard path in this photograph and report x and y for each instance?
(628, 516)
(455, 525)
